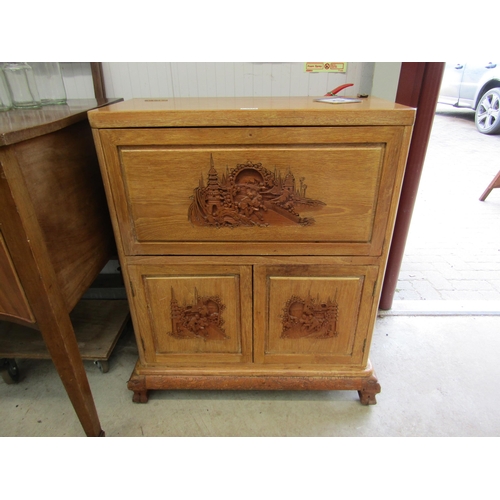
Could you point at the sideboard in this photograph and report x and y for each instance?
(55, 237)
(253, 235)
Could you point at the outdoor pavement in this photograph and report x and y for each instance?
(453, 248)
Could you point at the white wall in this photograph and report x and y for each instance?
(385, 80)
(165, 79)
(228, 79)
(77, 80)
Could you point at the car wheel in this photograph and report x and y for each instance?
(487, 117)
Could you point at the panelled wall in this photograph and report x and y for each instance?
(77, 78)
(229, 79)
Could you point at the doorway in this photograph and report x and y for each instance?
(446, 255)
(452, 252)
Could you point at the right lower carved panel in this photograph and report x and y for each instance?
(313, 314)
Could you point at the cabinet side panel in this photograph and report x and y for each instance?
(62, 177)
(13, 302)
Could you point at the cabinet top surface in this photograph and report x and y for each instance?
(248, 111)
(21, 124)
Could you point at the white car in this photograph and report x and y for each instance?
(475, 86)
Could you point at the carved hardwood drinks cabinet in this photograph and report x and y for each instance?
(253, 235)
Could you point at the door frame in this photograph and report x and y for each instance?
(418, 87)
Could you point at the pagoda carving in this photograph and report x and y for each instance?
(202, 318)
(309, 317)
(250, 195)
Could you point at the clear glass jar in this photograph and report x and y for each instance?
(5, 100)
(49, 81)
(21, 85)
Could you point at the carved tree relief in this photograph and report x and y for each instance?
(310, 318)
(202, 319)
(250, 195)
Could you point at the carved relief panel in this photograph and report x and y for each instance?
(193, 313)
(250, 195)
(324, 190)
(310, 318)
(201, 318)
(312, 313)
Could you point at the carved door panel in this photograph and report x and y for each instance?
(313, 314)
(192, 313)
(253, 189)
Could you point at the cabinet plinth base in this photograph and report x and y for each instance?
(363, 381)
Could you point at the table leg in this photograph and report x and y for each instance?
(63, 348)
(495, 183)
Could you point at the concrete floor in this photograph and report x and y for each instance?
(438, 378)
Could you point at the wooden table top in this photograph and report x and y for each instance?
(18, 125)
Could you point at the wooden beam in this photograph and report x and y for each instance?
(98, 78)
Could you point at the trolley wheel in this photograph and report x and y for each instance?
(9, 371)
(103, 365)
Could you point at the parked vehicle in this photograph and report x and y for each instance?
(475, 86)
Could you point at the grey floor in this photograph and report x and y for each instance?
(435, 352)
(438, 378)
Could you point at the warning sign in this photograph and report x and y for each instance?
(325, 67)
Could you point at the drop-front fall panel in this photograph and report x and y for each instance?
(323, 189)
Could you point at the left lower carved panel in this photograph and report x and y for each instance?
(193, 313)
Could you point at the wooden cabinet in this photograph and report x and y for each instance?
(55, 237)
(253, 235)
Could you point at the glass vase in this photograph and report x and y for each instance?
(49, 81)
(21, 84)
(5, 100)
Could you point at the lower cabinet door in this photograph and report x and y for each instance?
(193, 313)
(313, 314)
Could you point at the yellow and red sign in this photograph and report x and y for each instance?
(325, 67)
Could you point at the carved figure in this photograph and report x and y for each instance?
(309, 318)
(249, 195)
(201, 319)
